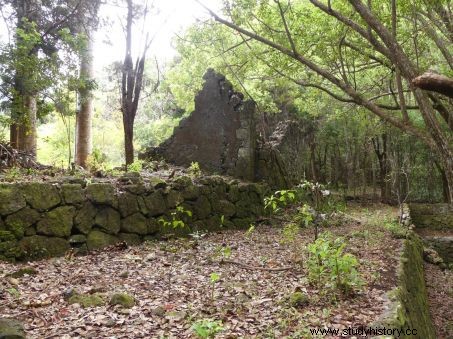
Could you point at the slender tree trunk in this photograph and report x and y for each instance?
(85, 115)
(29, 137)
(129, 143)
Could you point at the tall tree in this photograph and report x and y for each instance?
(361, 47)
(88, 23)
(131, 84)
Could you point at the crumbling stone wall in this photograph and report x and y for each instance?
(40, 220)
(432, 216)
(223, 136)
(219, 134)
(280, 159)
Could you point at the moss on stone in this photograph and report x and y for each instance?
(23, 271)
(155, 204)
(87, 300)
(123, 299)
(130, 239)
(38, 247)
(224, 207)
(57, 222)
(128, 204)
(18, 222)
(109, 220)
(11, 329)
(173, 198)
(409, 302)
(298, 299)
(84, 219)
(135, 223)
(102, 193)
(202, 207)
(72, 193)
(11, 200)
(97, 239)
(41, 196)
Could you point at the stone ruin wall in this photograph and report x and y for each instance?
(219, 134)
(39, 220)
(223, 136)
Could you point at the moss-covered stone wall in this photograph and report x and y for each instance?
(408, 307)
(433, 216)
(40, 219)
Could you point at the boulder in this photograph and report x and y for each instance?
(202, 207)
(109, 220)
(155, 204)
(87, 300)
(123, 299)
(101, 193)
(135, 223)
(38, 247)
(84, 219)
(10, 199)
(57, 222)
(19, 221)
(97, 239)
(128, 204)
(41, 196)
(77, 239)
(130, 238)
(173, 198)
(11, 329)
(72, 193)
(224, 207)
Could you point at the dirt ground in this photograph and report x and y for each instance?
(171, 282)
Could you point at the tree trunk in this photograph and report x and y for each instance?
(29, 137)
(128, 141)
(85, 115)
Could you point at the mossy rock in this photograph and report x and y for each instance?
(38, 247)
(11, 200)
(97, 239)
(10, 250)
(157, 183)
(224, 207)
(23, 271)
(135, 223)
(109, 220)
(87, 300)
(298, 299)
(84, 219)
(57, 222)
(202, 207)
(191, 192)
(233, 193)
(18, 222)
(78, 239)
(130, 239)
(173, 198)
(41, 196)
(128, 204)
(153, 226)
(6, 236)
(72, 193)
(101, 193)
(155, 204)
(123, 299)
(11, 329)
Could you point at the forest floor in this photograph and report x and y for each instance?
(171, 282)
(440, 296)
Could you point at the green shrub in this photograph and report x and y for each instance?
(328, 266)
(397, 230)
(207, 328)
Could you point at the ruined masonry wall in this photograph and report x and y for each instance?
(39, 220)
